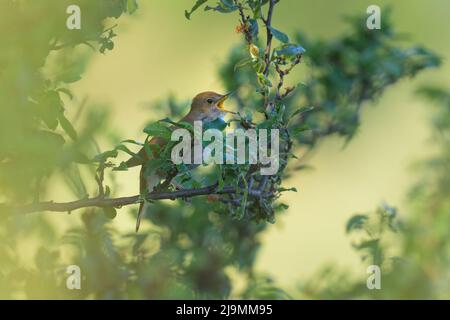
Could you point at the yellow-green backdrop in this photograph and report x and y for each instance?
(159, 52)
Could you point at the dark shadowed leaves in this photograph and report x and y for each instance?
(279, 35)
(356, 222)
(253, 27)
(223, 6)
(290, 50)
(157, 129)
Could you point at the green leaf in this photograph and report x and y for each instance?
(157, 129)
(228, 3)
(102, 157)
(253, 27)
(132, 142)
(297, 130)
(151, 149)
(79, 157)
(197, 4)
(301, 111)
(224, 6)
(67, 126)
(132, 6)
(279, 35)
(123, 148)
(290, 50)
(66, 92)
(51, 122)
(263, 81)
(110, 212)
(283, 206)
(373, 248)
(52, 138)
(356, 222)
(243, 63)
(243, 207)
(154, 165)
(121, 167)
(106, 45)
(267, 124)
(195, 184)
(255, 6)
(70, 75)
(181, 124)
(287, 189)
(107, 191)
(49, 109)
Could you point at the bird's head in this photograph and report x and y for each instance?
(208, 106)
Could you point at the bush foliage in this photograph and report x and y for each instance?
(192, 250)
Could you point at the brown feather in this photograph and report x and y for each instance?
(201, 109)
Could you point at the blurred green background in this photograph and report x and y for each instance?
(159, 53)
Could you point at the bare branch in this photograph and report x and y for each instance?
(282, 74)
(268, 23)
(123, 201)
(244, 21)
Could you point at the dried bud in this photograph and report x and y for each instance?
(240, 28)
(254, 51)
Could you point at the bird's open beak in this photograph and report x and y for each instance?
(222, 100)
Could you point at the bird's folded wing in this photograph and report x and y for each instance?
(143, 157)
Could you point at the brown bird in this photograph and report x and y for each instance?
(206, 107)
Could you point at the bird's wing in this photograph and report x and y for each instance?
(143, 157)
(142, 154)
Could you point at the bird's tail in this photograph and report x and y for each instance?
(146, 184)
(142, 209)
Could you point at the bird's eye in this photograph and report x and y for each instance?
(209, 100)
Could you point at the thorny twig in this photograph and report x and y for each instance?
(123, 201)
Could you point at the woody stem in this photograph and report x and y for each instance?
(123, 201)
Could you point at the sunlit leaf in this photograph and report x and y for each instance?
(197, 5)
(132, 6)
(67, 126)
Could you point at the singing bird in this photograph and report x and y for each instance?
(206, 107)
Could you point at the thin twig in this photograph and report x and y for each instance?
(244, 21)
(282, 74)
(268, 23)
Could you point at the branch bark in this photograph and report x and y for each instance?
(121, 201)
(268, 23)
